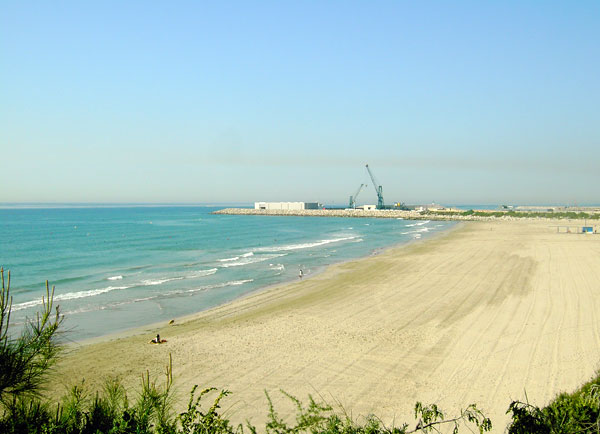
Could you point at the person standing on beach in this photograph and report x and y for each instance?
(300, 274)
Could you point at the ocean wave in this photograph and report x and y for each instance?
(220, 285)
(202, 273)
(251, 260)
(150, 282)
(114, 278)
(277, 267)
(137, 300)
(235, 258)
(69, 296)
(84, 309)
(424, 222)
(188, 291)
(416, 231)
(302, 245)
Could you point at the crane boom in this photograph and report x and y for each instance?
(378, 189)
(352, 203)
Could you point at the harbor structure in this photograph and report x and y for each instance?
(292, 206)
(367, 207)
(378, 189)
(352, 202)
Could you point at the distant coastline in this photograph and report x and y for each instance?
(454, 215)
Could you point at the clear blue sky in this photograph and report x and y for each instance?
(454, 102)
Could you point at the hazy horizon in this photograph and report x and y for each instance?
(146, 102)
(58, 205)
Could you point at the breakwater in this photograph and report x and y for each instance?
(388, 213)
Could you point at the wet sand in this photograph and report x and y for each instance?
(481, 314)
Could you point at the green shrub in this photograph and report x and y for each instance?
(577, 412)
(25, 361)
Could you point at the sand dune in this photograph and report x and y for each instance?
(481, 314)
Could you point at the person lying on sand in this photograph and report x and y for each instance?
(157, 340)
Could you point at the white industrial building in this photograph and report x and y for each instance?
(295, 206)
(367, 207)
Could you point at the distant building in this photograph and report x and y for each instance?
(295, 206)
(367, 207)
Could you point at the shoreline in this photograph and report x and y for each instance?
(160, 325)
(475, 315)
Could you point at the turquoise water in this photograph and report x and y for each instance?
(122, 267)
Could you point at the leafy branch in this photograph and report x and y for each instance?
(25, 361)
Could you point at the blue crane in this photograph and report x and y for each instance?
(352, 203)
(378, 189)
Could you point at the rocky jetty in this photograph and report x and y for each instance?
(388, 213)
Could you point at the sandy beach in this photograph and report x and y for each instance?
(481, 314)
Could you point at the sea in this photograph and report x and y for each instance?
(119, 267)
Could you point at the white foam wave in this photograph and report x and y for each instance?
(202, 273)
(251, 260)
(424, 222)
(239, 282)
(114, 278)
(160, 281)
(69, 296)
(277, 267)
(302, 245)
(137, 300)
(416, 231)
(221, 285)
(235, 258)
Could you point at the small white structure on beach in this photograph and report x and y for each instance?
(367, 207)
(295, 206)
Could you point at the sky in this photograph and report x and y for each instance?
(200, 102)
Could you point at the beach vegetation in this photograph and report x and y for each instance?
(576, 412)
(108, 411)
(25, 360)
